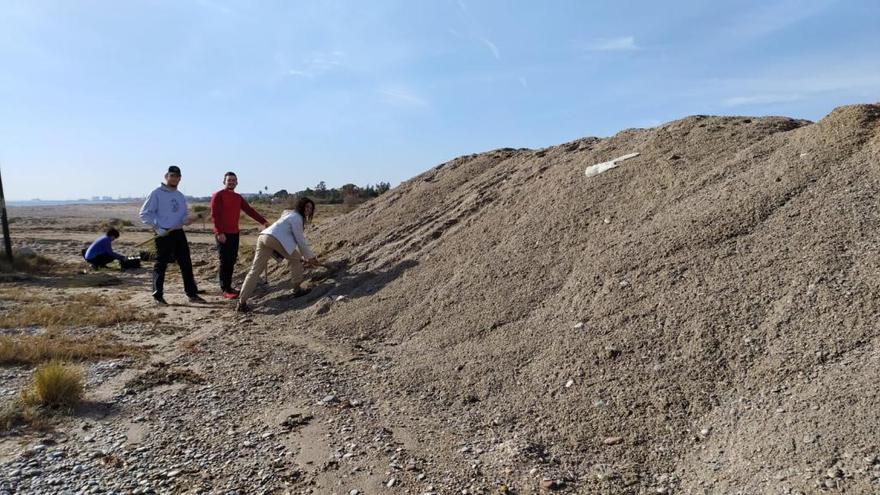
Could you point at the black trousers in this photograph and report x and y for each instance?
(101, 260)
(228, 252)
(173, 246)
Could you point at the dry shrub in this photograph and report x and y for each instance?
(30, 264)
(79, 310)
(34, 349)
(55, 385)
(16, 413)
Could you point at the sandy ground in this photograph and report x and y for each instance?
(700, 319)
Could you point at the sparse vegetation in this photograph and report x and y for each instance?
(23, 349)
(78, 310)
(55, 385)
(28, 264)
(118, 223)
(16, 413)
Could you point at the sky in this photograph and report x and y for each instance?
(100, 97)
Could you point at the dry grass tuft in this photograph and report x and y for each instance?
(79, 310)
(19, 295)
(30, 264)
(55, 385)
(34, 349)
(15, 413)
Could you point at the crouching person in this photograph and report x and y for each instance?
(100, 252)
(283, 238)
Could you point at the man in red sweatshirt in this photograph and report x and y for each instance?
(226, 208)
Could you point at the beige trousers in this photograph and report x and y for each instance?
(266, 245)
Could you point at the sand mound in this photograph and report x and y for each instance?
(704, 315)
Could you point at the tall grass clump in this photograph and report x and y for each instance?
(55, 385)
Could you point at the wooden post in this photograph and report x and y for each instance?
(7, 242)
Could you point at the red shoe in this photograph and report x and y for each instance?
(230, 295)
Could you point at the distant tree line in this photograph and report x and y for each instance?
(345, 194)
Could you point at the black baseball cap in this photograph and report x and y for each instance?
(174, 169)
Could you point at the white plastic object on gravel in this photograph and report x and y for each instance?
(606, 166)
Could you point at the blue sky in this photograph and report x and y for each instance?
(99, 97)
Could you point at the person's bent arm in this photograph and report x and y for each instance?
(296, 225)
(251, 212)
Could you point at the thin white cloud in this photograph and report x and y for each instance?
(492, 48)
(473, 31)
(404, 98)
(456, 33)
(318, 63)
(771, 17)
(786, 88)
(619, 44)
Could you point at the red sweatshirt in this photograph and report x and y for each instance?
(226, 207)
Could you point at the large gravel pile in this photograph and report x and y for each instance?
(704, 315)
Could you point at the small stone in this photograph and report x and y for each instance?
(705, 432)
(834, 473)
(569, 383)
(391, 482)
(579, 325)
(354, 491)
(329, 399)
(607, 220)
(612, 440)
(551, 484)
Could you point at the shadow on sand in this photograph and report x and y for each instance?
(336, 279)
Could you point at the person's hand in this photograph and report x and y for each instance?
(313, 261)
(161, 232)
(265, 225)
(221, 238)
(188, 221)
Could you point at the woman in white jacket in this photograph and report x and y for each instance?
(286, 239)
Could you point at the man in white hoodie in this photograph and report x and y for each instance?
(165, 211)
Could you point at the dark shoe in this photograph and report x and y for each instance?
(230, 295)
(160, 301)
(299, 292)
(242, 307)
(197, 299)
